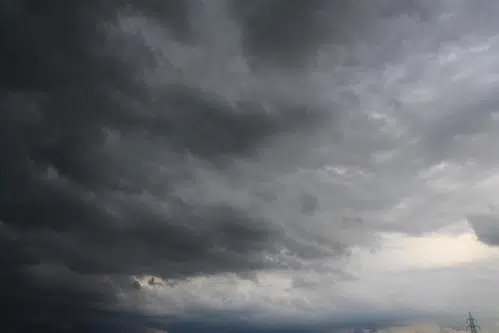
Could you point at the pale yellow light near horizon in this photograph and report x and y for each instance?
(402, 252)
(399, 253)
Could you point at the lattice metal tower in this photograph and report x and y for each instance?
(471, 325)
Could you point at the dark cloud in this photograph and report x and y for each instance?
(486, 228)
(130, 149)
(47, 298)
(91, 158)
(64, 166)
(281, 32)
(173, 14)
(309, 203)
(97, 157)
(214, 322)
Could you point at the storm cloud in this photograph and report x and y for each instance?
(173, 158)
(136, 141)
(485, 227)
(99, 157)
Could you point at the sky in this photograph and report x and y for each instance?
(236, 166)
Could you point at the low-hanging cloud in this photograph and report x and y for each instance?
(486, 227)
(101, 160)
(139, 143)
(181, 140)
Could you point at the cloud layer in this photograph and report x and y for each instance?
(186, 157)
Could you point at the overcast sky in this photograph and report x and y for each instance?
(249, 166)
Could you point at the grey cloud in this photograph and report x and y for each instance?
(144, 140)
(95, 155)
(445, 128)
(277, 33)
(486, 227)
(281, 33)
(82, 201)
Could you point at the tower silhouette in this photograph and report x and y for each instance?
(471, 325)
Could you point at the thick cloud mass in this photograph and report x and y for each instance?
(152, 150)
(124, 130)
(97, 153)
(486, 227)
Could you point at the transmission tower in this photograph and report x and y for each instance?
(471, 325)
